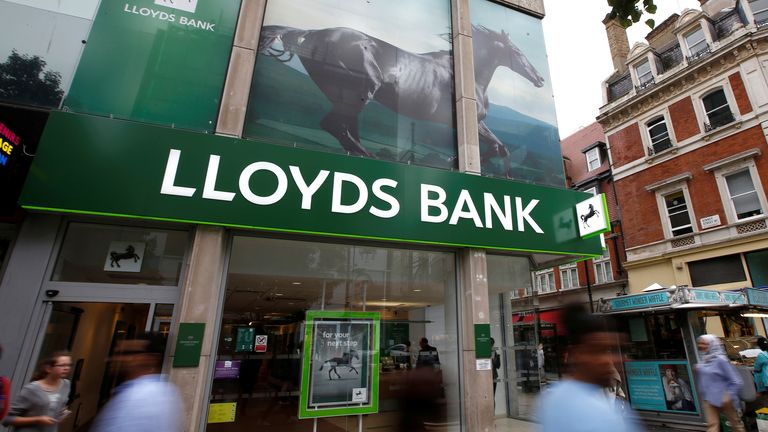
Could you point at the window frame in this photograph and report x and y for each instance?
(568, 272)
(549, 275)
(661, 203)
(596, 152)
(734, 168)
(755, 13)
(658, 118)
(705, 39)
(600, 265)
(730, 102)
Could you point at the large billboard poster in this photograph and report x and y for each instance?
(340, 373)
(156, 61)
(664, 386)
(517, 123)
(358, 77)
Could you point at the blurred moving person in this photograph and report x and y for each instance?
(578, 403)
(145, 401)
(5, 392)
(719, 384)
(41, 404)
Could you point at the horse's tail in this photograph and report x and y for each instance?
(322, 365)
(271, 33)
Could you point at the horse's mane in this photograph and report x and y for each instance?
(502, 36)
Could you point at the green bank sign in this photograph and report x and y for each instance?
(96, 165)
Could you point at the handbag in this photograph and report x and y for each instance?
(747, 392)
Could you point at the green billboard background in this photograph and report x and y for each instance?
(149, 61)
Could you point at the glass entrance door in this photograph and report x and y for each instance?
(90, 331)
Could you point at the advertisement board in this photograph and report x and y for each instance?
(664, 386)
(391, 98)
(340, 368)
(156, 61)
(516, 108)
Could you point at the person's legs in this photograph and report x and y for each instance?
(712, 414)
(733, 417)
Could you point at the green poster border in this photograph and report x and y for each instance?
(606, 218)
(373, 405)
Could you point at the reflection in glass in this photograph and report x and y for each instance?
(270, 285)
(361, 78)
(90, 253)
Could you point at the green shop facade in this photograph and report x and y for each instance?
(311, 200)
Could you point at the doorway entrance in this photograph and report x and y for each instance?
(90, 331)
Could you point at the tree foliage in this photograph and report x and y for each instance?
(631, 11)
(23, 78)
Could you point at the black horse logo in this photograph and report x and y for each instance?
(115, 257)
(590, 213)
(344, 360)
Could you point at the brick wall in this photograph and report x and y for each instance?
(626, 145)
(740, 93)
(639, 208)
(684, 121)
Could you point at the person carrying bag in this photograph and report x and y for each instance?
(761, 365)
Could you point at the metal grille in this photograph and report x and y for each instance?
(620, 87)
(751, 227)
(688, 241)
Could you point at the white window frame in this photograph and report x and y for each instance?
(603, 266)
(569, 276)
(755, 12)
(704, 39)
(651, 76)
(592, 191)
(725, 196)
(647, 125)
(592, 155)
(730, 98)
(661, 203)
(540, 276)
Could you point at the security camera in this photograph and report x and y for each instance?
(51, 293)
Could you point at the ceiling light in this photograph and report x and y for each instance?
(417, 290)
(295, 283)
(278, 294)
(755, 315)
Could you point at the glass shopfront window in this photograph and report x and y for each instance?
(272, 283)
(121, 255)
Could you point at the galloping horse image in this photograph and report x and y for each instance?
(590, 213)
(352, 68)
(344, 360)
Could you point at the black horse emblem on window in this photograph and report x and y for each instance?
(590, 213)
(115, 257)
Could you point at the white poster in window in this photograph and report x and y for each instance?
(124, 257)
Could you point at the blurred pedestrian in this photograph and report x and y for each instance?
(719, 384)
(145, 401)
(5, 392)
(578, 402)
(761, 366)
(41, 404)
(495, 365)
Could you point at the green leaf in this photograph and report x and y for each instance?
(650, 23)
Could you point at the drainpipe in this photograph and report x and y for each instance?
(589, 286)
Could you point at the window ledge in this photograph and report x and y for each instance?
(749, 154)
(650, 159)
(708, 135)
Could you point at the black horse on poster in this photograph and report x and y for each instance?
(344, 360)
(352, 68)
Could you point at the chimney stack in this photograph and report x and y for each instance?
(618, 43)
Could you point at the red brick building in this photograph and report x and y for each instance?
(685, 119)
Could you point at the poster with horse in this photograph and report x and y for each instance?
(340, 367)
(371, 78)
(517, 123)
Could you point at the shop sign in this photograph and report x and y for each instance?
(638, 301)
(661, 386)
(9, 142)
(189, 343)
(340, 374)
(757, 297)
(199, 178)
(716, 297)
(182, 46)
(483, 341)
(227, 369)
(593, 216)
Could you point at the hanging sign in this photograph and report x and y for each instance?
(340, 374)
(593, 217)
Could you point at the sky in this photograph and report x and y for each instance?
(579, 61)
